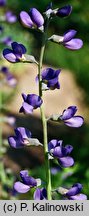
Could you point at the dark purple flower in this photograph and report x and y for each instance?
(74, 193)
(40, 194)
(61, 153)
(32, 19)
(68, 40)
(2, 2)
(50, 78)
(10, 17)
(27, 183)
(21, 138)
(69, 118)
(31, 102)
(10, 79)
(64, 11)
(16, 54)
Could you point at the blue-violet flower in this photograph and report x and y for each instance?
(27, 183)
(61, 153)
(31, 102)
(69, 119)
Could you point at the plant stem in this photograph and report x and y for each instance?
(44, 123)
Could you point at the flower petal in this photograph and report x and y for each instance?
(64, 11)
(74, 44)
(75, 189)
(69, 35)
(18, 49)
(21, 188)
(78, 197)
(26, 19)
(28, 180)
(26, 108)
(36, 17)
(15, 142)
(66, 161)
(9, 56)
(68, 113)
(76, 121)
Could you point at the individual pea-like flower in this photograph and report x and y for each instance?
(74, 193)
(2, 3)
(16, 54)
(68, 40)
(64, 11)
(31, 102)
(60, 152)
(10, 79)
(40, 194)
(21, 138)
(50, 78)
(32, 19)
(27, 183)
(60, 12)
(69, 118)
(10, 17)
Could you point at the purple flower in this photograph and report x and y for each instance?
(27, 183)
(10, 17)
(74, 193)
(21, 138)
(69, 118)
(61, 153)
(50, 78)
(2, 3)
(68, 40)
(40, 194)
(10, 79)
(64, 11)
(31, 102)
(32, 19)
(16, 54)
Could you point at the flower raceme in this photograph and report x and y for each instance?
(68, 40)
(31, 102)
(32, 19)
(61, 153)
(69, 118)
(27, 183)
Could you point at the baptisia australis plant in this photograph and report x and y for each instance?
(47, 79)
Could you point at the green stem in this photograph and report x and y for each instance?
(44, 123)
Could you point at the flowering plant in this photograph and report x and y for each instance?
(47, 79)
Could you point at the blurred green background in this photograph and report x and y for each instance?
(76, 62)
